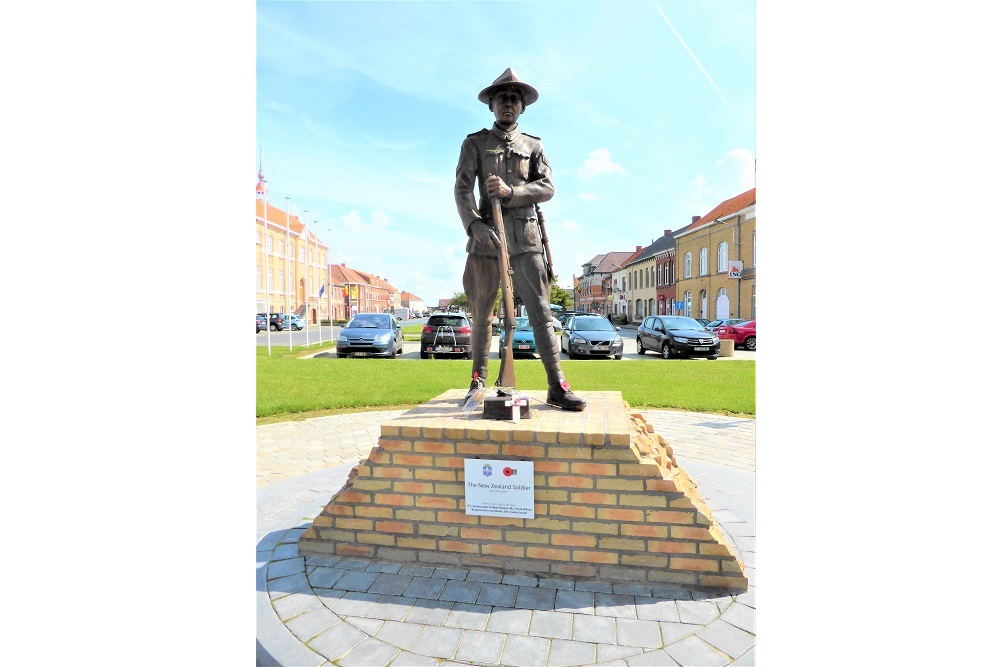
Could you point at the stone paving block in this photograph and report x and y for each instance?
(426, 588)
(498, 595)
(563, 653)
(658, 658)
(468, 616)
(542, 599)
(746, 659)
(329, 596)
(283, 568)
(700, 612)
(390, 584)
(727, 638)
(369, 652)
(672, 632)
(285, 551)
(337, 641)
(353, 603)
(577, 602)
(481, 648)
(619, 606)
(594, 586)
(522, 651)
(519, 580)
(609, 654)
(292, 605)
(326, 577)
(413, 660)
(741, 616)
(551, 624)
(429, 612)
(357, 580)
(484, 576)
(632, 632)
(460, 591)
(416, 571)
(391, 608)
(510, 621)
(563, 584)
(638, 590)
(450, 573)
(369, 626)
(293, 583)
(596, 629)
(401, 635)
(438, 642)
(313, 622)
(354, 563)
(695, 651)
(654, 609)
(388, 568)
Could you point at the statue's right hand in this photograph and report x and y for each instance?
(483, 233)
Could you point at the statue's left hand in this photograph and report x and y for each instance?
(495, 187)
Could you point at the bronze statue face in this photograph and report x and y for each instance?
(507, 105)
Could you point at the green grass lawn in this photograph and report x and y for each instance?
(289, 387)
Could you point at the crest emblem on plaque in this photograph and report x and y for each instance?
(487, 470)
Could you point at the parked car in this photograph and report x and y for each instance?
(277, 321)
(743, 335)
(701, 320)
(370, 335)
(590, 335)
(715, 324)
(524, 337)
(295, 321)
(446, 335)
(674, 336)
(261, 322)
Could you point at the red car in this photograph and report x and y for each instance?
(742, 335)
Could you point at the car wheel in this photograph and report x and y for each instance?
(665, 352)
(638, 346)
(424, 355)
(618, 357)
(274, 327)
(341, 355)
(750, 343)
(712, 358)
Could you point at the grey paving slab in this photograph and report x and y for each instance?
(292, 605)
(595, 586)
(368, 653)
(693, 650)
(727, 638)
(401, 635)
(391, 608)
(293, 583)
(498, 595)
(416, 570)
(577, 602)
(429, 612)
(283, 568)
(658, 658)
(337, 641)
(564, 584)
(654, 609)
(326, 577)
(450, 573)
(608, 654)
(389, 568)
(510, 621)
(564, 653)
(745, 659)
(354, 563)
(672, 632)
(353, 603)
(633, 632)
(638, 590)
(525, 651)
(390, 584)
(438, 642)
(460, 591)
(519, 580)
(695, 611)
(484, 576)
(313, 622)
(551, 624)
(481, 648)
(468, 616)
(406, 659)
(542, 599)
(426, 588)
(619, 606)
(357, 580)
(596, 629)
(369, 626)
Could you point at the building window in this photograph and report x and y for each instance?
(258, 237)
(704, 303)
(302, 254)
(281, 250)
(270, 247)
(703, 262)
(723, 257)
(687, 303)
(687, 265)
(281, 282)
(260, 285)
(659, 275)
(270, 280)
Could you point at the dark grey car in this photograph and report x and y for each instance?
(370, 335)
(674, 336)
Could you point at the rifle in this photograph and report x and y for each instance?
(506, 376)
(546, 250)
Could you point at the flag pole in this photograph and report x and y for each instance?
(318, 320)
(267, 300)
(305, 234)
(288, 274)
(288, 225)
(329, 307)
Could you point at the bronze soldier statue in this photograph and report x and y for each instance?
(511, 166)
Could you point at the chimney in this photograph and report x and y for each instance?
(695, 218)
(638, 248)
(666, 232)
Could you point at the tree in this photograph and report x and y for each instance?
(559, 296)
(459, 300)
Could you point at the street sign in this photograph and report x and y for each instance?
(735, 269)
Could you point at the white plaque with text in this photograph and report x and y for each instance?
(500, 488)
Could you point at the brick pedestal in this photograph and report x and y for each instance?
(611, 502)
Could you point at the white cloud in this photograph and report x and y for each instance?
(353, 221)
(570, 225)
(588, 196)
(732, 174)
(599, 162)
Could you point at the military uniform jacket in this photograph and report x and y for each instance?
(520, 161)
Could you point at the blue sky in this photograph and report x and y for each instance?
(646, 111)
